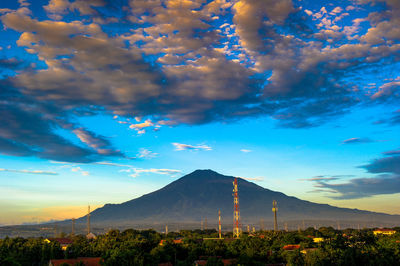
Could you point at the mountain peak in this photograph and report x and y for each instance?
(204, 171)
(204, 174)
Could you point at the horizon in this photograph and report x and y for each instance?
(105, 101)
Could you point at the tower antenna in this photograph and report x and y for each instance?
(275, 210)
(236, 211)
(88, 220)
(73, 227)
(219, 224)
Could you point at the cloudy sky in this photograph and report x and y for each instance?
(103, 101)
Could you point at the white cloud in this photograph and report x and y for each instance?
(245, 150)
(260, 178)
(336, 10)
(114, 164)
(143, 125)
(146, 154)
(5, 10)
(138, 171)
(183, 147)
(37, 172)
(80, 170)
(308, 12)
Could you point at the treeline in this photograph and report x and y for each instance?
(133, 247)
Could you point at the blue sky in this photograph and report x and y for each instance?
(104, 101)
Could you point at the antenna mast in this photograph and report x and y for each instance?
(88, 220)
(236, 212)
(275, 210)
(219, 224)
(73, 227)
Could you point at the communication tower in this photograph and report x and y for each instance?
(275, 210)
(236, 211)
(88, 220)
(219, 224)
(73, 227)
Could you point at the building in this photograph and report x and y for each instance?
(384, 231)
(175, 241)
(291, 247)
(64, 242)
(72, 262)
(318, 239)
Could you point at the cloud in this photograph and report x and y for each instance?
(245, 150)
(36, 172)
(141, 127)
(146, 154)
(357, 140)
(393, 152)
(187, 62)
(388, 90)
(363, 187)
(138, 171)
(253, 178)
(80, 170)
(98, 143)
(23, 137)
(384, 165)
(183, 147)
(386, 181)
(114, 164)
(319, 178)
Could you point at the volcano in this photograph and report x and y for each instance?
(202, 193)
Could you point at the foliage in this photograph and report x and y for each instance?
(133, 247)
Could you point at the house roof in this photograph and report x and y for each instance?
(175, 241)
(291, 247)
(86, 261)
(62, 240)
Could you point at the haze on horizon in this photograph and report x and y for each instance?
(103, 101)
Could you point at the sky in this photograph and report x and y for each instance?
(103, 101)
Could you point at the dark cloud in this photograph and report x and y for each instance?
(394, 152)
(26, 132)
(395, 119)
(319, 178)
(10, 63)
(357, 140)
(28, 129)
(363, 187)
(384, 165)
(386, 182)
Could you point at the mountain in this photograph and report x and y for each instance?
(201, 193)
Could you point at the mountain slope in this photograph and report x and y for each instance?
(201, 193)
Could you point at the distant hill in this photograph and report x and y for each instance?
(201, 193)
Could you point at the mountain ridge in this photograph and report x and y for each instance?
(203, 192)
